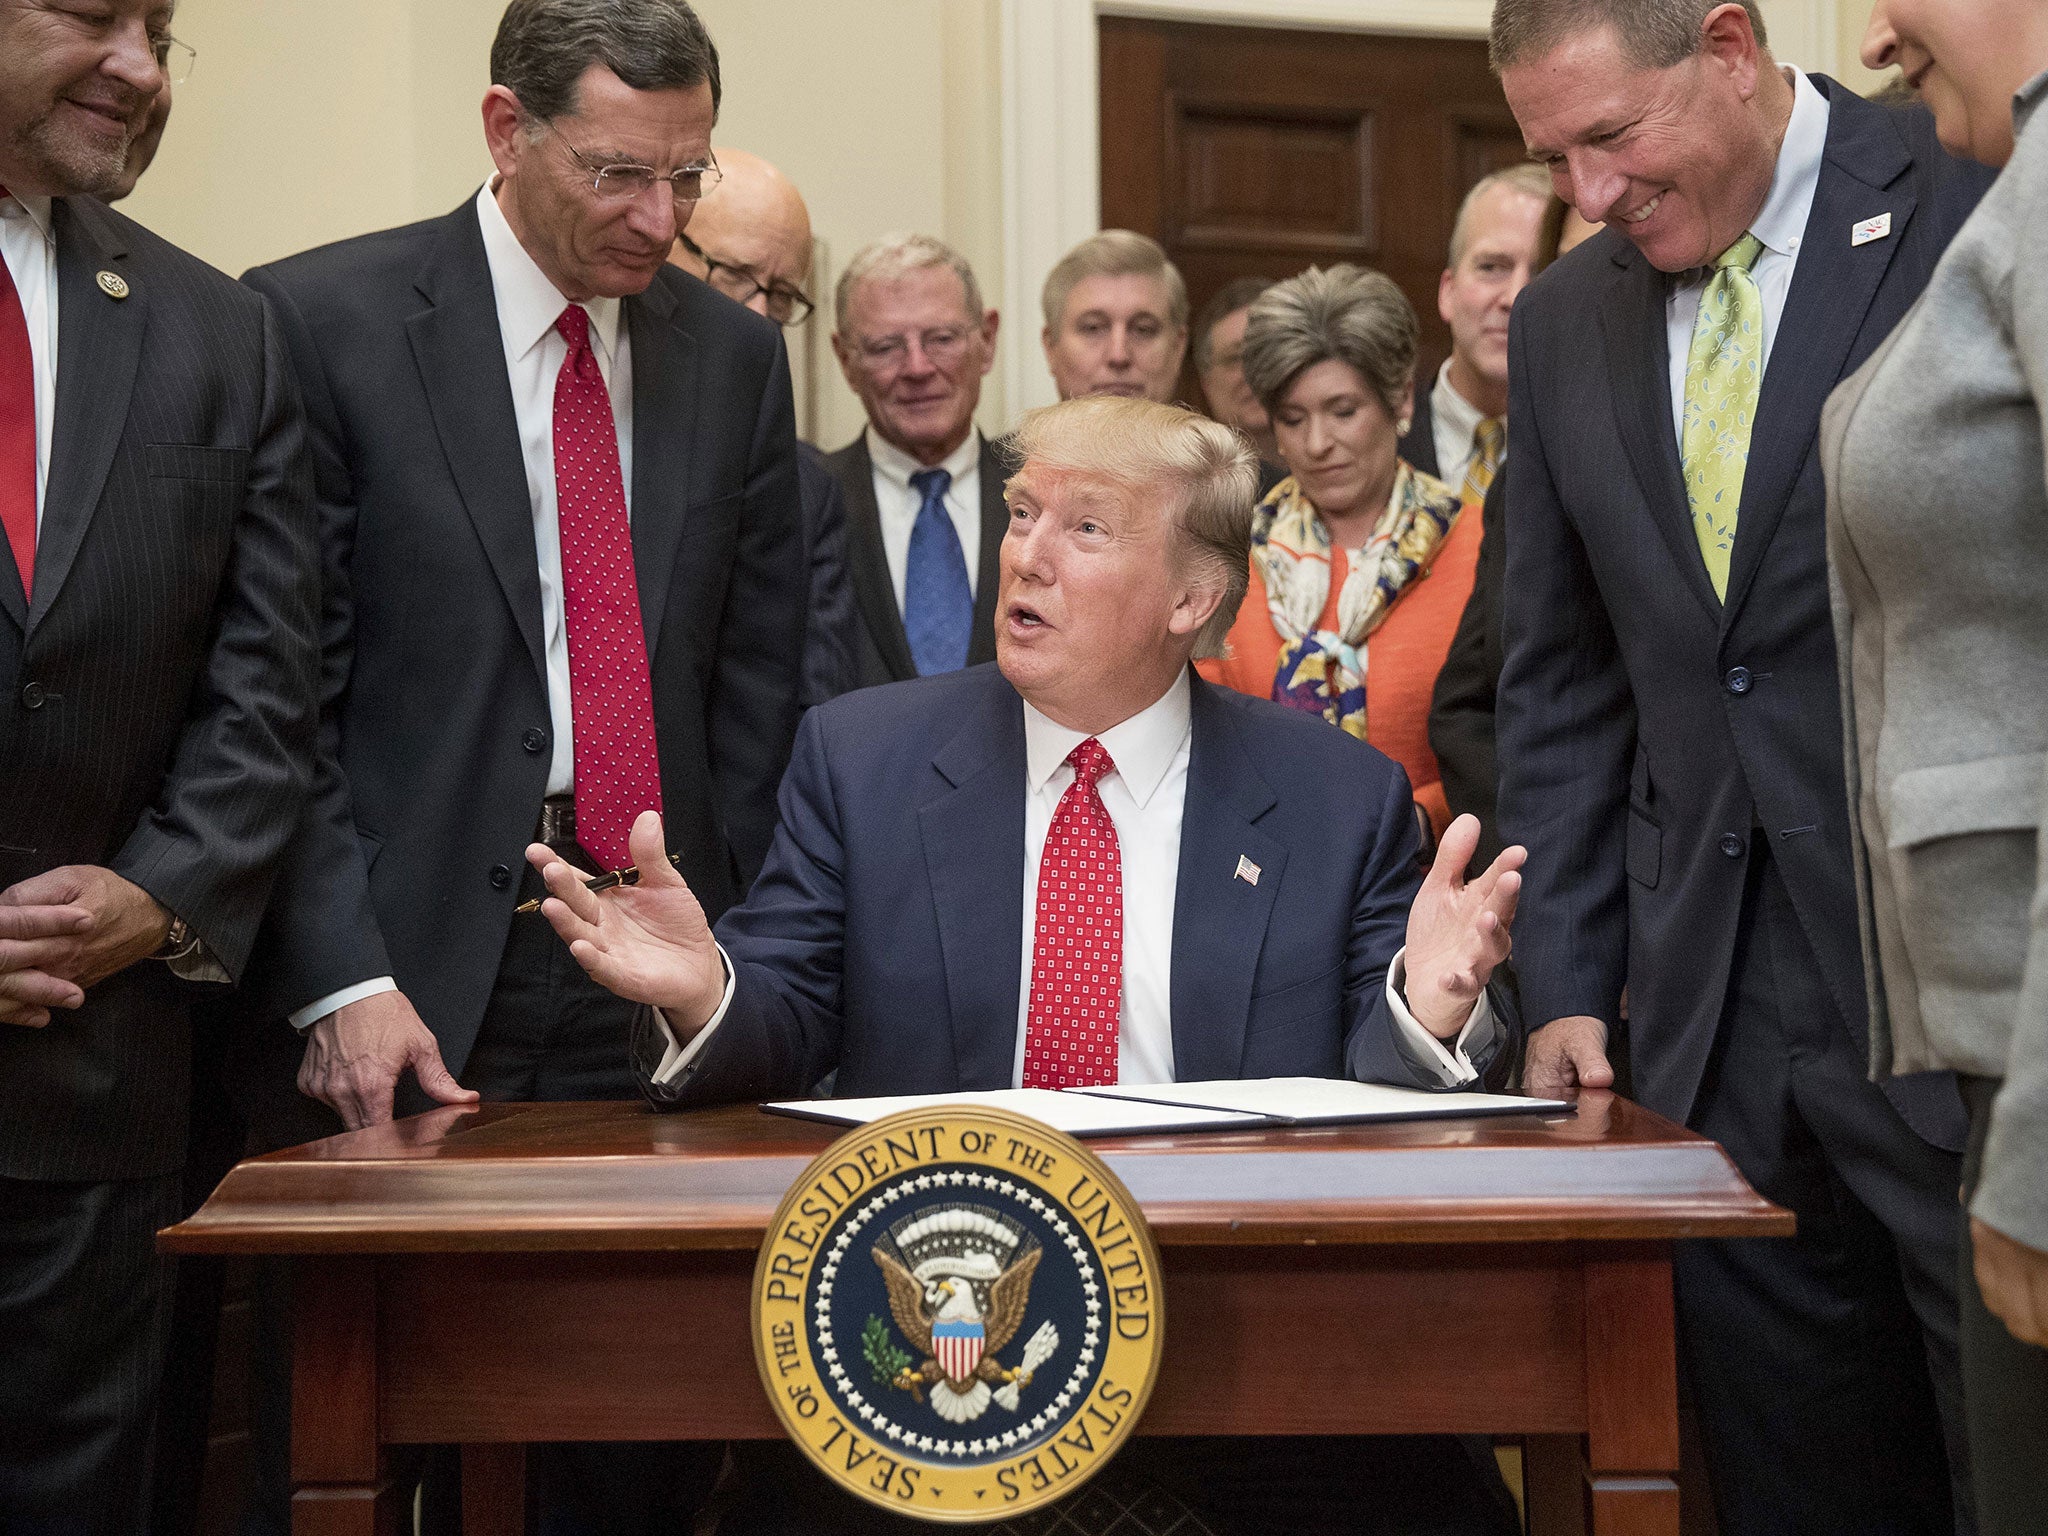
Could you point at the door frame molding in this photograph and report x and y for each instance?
(1051, 119)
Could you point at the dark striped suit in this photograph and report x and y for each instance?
(158, 720)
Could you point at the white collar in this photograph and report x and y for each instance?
(897, 466)
(1142, 747)
(528, 303)
(1452, 408)
(35, 209)
(1782, 223)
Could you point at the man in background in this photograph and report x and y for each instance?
(1459, 432)
(158, 595)
(752, 242)
(1116, 319)
(1219, 364)
(924, 489)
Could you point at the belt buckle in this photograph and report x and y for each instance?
(557, 821)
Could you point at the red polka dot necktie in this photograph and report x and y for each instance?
(17, 431)
(611, 696)
(1077, 958)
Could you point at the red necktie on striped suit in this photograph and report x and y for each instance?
(17, 431)
(1077, 955)
(611, 693)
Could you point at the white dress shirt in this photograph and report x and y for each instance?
(528, 307)
(1781, 226)
(28, 244)
(898, 501)
(1452, 421)
(1144, 794)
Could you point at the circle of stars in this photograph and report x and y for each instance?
(1025, 1430)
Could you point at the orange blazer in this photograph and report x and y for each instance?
(1402, 656)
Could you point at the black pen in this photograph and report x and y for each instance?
(627, 876)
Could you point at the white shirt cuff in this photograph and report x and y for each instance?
(675, 1057)
(1451, 1067)
(314, 1012)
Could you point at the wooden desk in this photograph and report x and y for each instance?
(580, 1272)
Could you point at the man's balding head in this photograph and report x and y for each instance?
(753, 233)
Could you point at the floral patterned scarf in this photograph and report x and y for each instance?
(1322, 671)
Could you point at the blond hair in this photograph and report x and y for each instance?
(1114, 253)
(1139, 446)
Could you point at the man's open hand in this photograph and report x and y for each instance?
(648, 942)
(355, 1055)
(65, 929)
(1458, 929)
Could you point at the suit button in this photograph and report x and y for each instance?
(1732, 845)
(1738, 680)
(535, 739)
(501, 876)
(32, 696)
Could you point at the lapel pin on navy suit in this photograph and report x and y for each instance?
(113, 284)
(1247, 871)
(1870, 229)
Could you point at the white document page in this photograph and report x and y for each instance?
(1077, 1114)
(1328, 1100)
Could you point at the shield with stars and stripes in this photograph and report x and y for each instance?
(958, 1348)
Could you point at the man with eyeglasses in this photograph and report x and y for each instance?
(564, 566)
(752, 243)
(158, 662)
(924, 489)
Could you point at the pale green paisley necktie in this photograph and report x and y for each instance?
(1724, 370)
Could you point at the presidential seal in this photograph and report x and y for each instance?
(957, 1314)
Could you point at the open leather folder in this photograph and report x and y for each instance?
(1234, 1104)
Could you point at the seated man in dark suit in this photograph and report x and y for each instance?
(1247, 875)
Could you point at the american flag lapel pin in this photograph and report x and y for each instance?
(1247, 871)
(1870, 229)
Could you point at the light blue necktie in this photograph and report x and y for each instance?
(938, 605)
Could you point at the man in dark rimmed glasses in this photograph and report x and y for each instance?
(564, 567)
(752, 243)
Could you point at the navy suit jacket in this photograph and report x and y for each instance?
(1648, 732)
(884, 938)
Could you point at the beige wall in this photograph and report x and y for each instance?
(306, 121)
(1851, 17)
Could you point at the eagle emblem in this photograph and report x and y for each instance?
(959, 1282)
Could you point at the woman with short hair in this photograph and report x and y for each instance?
(1361, 564)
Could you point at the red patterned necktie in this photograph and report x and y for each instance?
(17, 430)
(610, 693)
(1077, 958)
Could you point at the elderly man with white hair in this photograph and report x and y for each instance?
(941, 839)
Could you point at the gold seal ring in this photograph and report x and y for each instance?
(958, 1314)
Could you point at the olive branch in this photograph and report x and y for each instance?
(881, 1353)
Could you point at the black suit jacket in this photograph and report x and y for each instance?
(831, 627)
(1648, 733)
(882, 650)
(1461, 729)
(435, 728)
(159, 706)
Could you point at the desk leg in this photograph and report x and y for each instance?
(338, 1478)
(493, 1490)
(1631, 1395)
